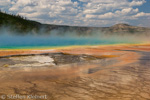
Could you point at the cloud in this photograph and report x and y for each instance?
(4, 2)
(117, 14)
(81, 12)
(142, 14)
(137, 3)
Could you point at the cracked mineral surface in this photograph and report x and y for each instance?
(93, 73)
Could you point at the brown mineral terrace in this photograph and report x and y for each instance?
(113, 72)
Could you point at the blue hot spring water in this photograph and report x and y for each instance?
(31, 41)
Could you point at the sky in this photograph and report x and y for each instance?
(96, 13)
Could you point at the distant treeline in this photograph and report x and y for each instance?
(18, 23)
(21, 25)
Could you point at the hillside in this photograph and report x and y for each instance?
(18, 23)
(123, 28)
(21, 25)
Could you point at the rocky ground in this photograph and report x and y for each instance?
(99, 73)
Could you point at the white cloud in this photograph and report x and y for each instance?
(4, 2)
(84, 12)
(117, 14)
(142, 14)
(137, 3)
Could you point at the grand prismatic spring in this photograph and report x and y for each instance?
(86, 50)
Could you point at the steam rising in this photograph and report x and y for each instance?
(60, 37)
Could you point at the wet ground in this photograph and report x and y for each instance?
(72, 75)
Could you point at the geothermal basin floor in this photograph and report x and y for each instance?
(119, 72)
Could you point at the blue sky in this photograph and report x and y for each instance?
(82, 12)
(145, 7)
